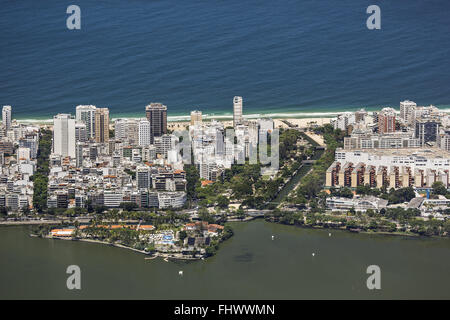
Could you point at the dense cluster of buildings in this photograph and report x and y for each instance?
(139, 160)
(99, 162)
(18, 150)
(213, 146)
(409, 149)
(91, 166)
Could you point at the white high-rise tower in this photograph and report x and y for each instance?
(6, 117)
(237, 111)
(408, 111)
(144, 132)
(86, 115)
(64, 135)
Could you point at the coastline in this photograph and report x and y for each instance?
(185, 117)
(301, 122)
(206, 118)
(165, 256)
(179, 257)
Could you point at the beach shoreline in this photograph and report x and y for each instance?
(181, 118)
(175, 119)
(164, 256)
(304, 122)
(278, 123)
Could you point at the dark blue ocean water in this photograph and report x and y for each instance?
(283, 56)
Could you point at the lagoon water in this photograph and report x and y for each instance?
(249, 266)
(284, 57)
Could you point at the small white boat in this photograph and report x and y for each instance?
(329, 234)
(313, 254)
(180, 272)
(273, 237)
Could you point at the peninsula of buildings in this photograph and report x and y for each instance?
(127, 181)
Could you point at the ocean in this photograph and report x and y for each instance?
(286, 58)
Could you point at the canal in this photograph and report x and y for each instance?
(301, 172)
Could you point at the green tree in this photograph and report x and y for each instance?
(193, 181)
(223, 202)
(439, 188)
(3, 211)
(204, 215)
(240, 213)
(40, 178)
(182, 235)
(128, 206)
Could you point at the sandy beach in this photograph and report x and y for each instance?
(300, 123)
(184, 125)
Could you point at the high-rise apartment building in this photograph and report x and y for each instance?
(102, 125)
(143, 177)
(79, 154)
(120, 126)
(6, 117)
(237, 111)
(360, 115)
(86, 115)
(156, 114)
(80, 132)
(427, 130)
(64, 135)
(127, 130)
(196, 117)
(165, 143)
(407, 111)
(386, 120)
(144, 132)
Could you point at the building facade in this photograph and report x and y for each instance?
(64, 135)
(6, 117)
(144, 132)
(86, 114)
(237, 111)
(156, 114)
(196, 117)
(386, 121)
(102, 125)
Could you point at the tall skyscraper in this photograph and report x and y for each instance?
(64, 135)
(127, 130)
(237, 111)
(80, 132)
(120, 129)
(427, 130)
(143, 177)
(6, 117)
(79, 154)
(86, 115)
(408, 111)
(102, 125)
(144, 132)
(196, 117)
(156, 114)
(386, 120)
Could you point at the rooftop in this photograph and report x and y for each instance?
(430, 152)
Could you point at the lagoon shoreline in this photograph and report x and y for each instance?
(117, 245)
